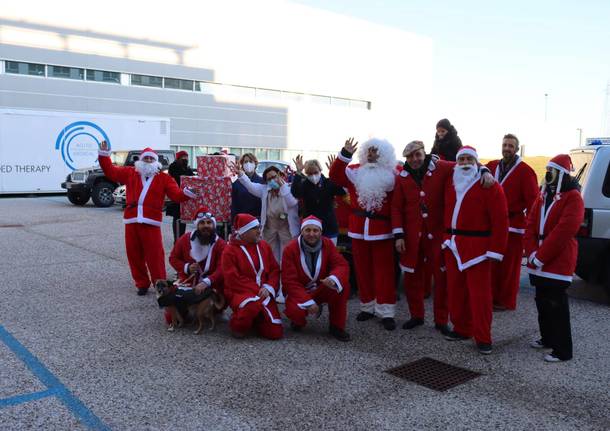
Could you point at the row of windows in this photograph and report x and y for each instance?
(211, 88)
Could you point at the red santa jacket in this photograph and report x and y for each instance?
(145, 198)
(378, 225)
(476, 223)
(417, 210)
(549, 238)
(187, 251)
(246, 268)
(297, 281)
(520, 186)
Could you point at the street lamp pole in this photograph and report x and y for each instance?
(579, 136)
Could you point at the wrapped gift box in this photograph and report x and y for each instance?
(214, 194)
(213, 166)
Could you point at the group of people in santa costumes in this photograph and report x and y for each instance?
(464, 223)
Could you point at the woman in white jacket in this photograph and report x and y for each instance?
(279, 209)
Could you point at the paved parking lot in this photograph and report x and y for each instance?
(79, 350)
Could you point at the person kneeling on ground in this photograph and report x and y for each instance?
(251, 277)
(313, 274)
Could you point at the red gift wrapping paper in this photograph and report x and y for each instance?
(213, 166)
(214, 194)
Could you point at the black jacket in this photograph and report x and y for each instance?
(176, 170)
(447, 147)
(318, 200)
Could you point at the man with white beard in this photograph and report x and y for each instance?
(477, 229)
(146, 187)
(370, 184)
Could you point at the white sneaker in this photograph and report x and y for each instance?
(537, 344)
(551, 358)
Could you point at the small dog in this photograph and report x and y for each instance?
(207, 309)
(164, 288)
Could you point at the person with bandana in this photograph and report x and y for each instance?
(476, 223)
(552, 250)
(251, 280)
(146, 187)
(314, 274)
(242, 201)
(178, 168)
(317, 194)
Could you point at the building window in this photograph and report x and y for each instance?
(24, 68)
(179, 84)
(147, 81)
(103, 76)
(66, 72)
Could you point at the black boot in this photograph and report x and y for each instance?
(142, 292)
(339, 334)
(364, 315)
(388, 323)
(444, 329)
(412, 323)
(295, 327)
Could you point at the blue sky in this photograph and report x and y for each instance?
(494, 61)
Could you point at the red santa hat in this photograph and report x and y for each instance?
(562, 162)
(311, 221)
(202, 214)
(149, 152)
(180, 154)
(467, 150)
(245, 222)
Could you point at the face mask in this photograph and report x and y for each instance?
(315, 178)
(273, 185)
(249, 167)
(550, 176)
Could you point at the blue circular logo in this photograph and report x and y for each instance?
(78, 144)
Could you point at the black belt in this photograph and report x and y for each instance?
(480, 233)
(370, 215)
(541, 237)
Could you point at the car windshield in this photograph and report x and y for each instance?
(581, 159)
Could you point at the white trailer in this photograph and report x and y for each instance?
(38, 149)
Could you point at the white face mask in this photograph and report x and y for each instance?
(249, 167)
(315, 178)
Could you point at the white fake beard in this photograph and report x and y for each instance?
(462, 178)
(147, 169)
(373, 182)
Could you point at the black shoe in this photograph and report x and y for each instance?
(484, 348)
(364, 315)
(142, 292)
(388, 323)
(454, 336)
(412, 323)
(444, 329)
(339, 334)
(295, 327)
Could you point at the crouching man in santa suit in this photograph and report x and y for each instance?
(196, 257)
(370, 184)
(552, 250)
(251, 280)
(146, 187)
(476, 221)
(314, 273)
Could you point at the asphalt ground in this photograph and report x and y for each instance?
(80, 350)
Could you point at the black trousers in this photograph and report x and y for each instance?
(554, 315)
(178, 228)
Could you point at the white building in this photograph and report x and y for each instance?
(270, 76)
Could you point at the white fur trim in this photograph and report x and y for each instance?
(558, 167)
(368, 307)
(248, 300)
(552, 275)
(311, 222)
(149, 154)
(306, 304)
(270, 289)
(190, 194)
(404, 174)
(143, 220)
(468, 151)
(407, 269)
(103, 153)
(338, 286)
(397, 230)
(343, 158)
(207, 281)
(385, 310)
(516, 230)
(248, 226)
(497, 173)
(186, 268)
(495, 256)
(537, 262)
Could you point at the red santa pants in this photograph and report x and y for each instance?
(254, 316)
(429, 262)
(145, 253)
(506, 275)
(470, 298)
(374, 265)
(337, 306)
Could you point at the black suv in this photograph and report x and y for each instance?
(86, 183)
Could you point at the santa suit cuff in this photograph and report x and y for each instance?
(207, 281)
(344, 156)
(338, 286)
(189, 193)
(305, 305)
(398, 232)
(186, 268)
(495, 256)
(103, 153)
(270, 289)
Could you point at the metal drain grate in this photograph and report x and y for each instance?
(433, 374)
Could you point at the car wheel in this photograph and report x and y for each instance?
(78, 198)
(102, 194)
